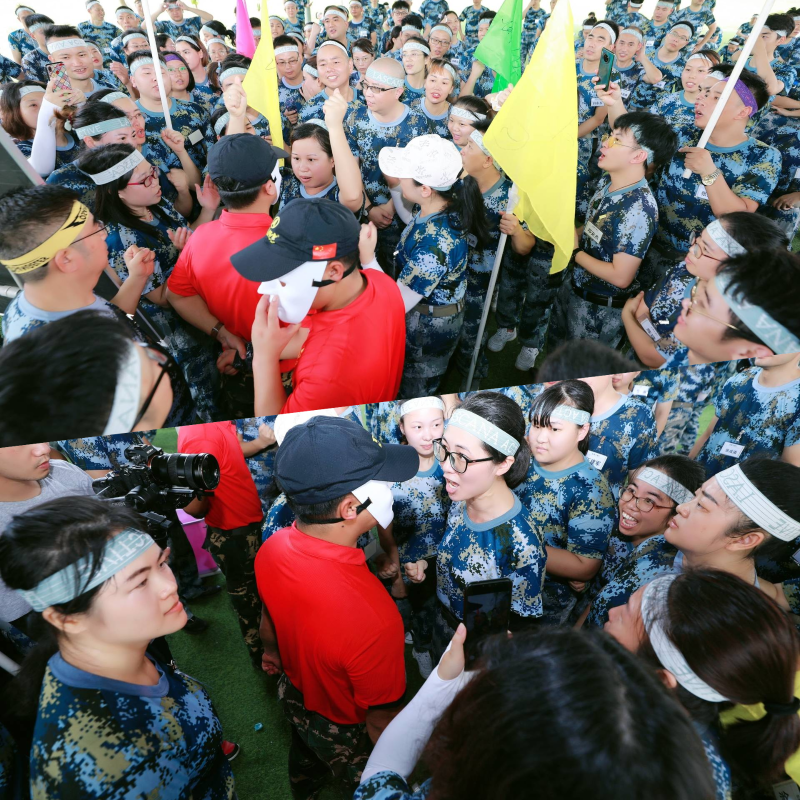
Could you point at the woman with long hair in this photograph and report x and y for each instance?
(195, 56)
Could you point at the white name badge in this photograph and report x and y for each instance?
(640, 390)
(731, 449)
(650, 330)
(797, 173)
(596, 102)
(624, 93)
(660, 84)
(593, 232)
(703, 396)
(701, 193)
(597, 460)
(786, 791)
(194, 137)
(649, 42)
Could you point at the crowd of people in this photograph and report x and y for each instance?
(653, 595)
(256, 276)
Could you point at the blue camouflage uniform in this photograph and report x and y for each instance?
(278, 517)
(382, 420)
(485, 83)
(679, 112)
(205, 95)
(469, 17)
(260, 464)
(189, 27)
(762, 420)
(787, 140)
(654, 386)
(628, 18)
(574, 510)
(102, 452)
(9, 69)
(289, 97)
(95, 737)
(720, 771)
(511, 546)
(787, 73)
(438, 122)
(524, 397)
(588, 103)
(388, 785)
(646, 95)
(532, 26)
(629, 78)
(616, 9)
(292, 189)
(654, 34)
(21, 41)
(664, 302)
(359, 30)
(377, 15)
(432, 260)
(101, 35)
(191, 120)
(432, 11)
(312, 109)
(622, 221)
(622, 438)
(34, 65)
(20, 317)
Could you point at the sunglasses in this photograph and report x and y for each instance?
(609, 140)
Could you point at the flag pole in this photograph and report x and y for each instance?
(734, 76)
(151, 35)
(513, 199)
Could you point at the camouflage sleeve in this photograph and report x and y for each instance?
(759, 181)
(637, 226)
(644, 448)
(591, 520)
(387, 786)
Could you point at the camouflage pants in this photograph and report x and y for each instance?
(430, 342)
(321, 748)
(658, 262)
(576, 318)
(235, 553)
(526, 295)
(474, 299)
(680, 432)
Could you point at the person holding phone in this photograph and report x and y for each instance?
(489, 533)
(632, 63)
(570, 499)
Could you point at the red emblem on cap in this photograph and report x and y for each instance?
(322, 252)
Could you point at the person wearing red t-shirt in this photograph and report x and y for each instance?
(233, 516)
(328, 626)
(354, 349)
(203, 287)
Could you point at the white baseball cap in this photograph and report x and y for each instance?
(430, 160)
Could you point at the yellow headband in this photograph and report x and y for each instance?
(62, 238)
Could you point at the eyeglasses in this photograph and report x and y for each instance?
(458, 462)
(369, 87)
(680, 38)
(441, 42)
(692, 303)
(696, 249)
(101, 227)
(135, 116)
(644, 504)
(148, 180)
(177, 69)
(610, 141)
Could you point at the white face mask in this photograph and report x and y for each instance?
(382, 505)
(276, 179)
(296, 297)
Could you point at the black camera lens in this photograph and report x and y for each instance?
(192, 470)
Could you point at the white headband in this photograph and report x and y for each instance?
(112, 96)
(417, 46)
(410, 28)
(99, 128)
(117, 171)
(779, 32)
(751, 502)
(570, 414)
(484, 430)
(320, 123)
(682, 25)
(716, 75)
(464, 113)
(477, 137)
(275, 17)
(128, 37)
(700, 56)
(216, 40)
(186, 39)
(221, 123)
(232, 71)
(390, 80)
(144, 62)
(670, 487)
(210, 30)
(24, 8)
(287, 48)
(635, 33)
(54, 47)
(418, 403)
(654, 607)
(92, 3)
(442, 28)
(336, 12)
(29, 90)
(724, 240)
(609, 29)
(636, 130)
(120, 11)
(37, 26)
(335, 44)
(129, 379)
(307, 68)
(451, 70)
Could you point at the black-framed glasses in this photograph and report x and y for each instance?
(696, 249)
(457, 461)
(101, 227)
(644, 504)
(369, 87)
(163, 361)
(692, 306)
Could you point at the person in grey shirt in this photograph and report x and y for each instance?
(28, 477)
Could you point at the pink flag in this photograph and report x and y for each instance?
(245, 41)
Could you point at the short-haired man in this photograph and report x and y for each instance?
(35, 61)
(128, 21)
(289, 64)
(361, 26)
(65, 45)
(96, 29)
(328, 625)
(177, 24)
(310, 260)
(335, 67)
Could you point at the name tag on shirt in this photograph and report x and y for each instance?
(797, 173)
(596, 102)
(660, 84)
(597, 460)
(650, 330)
(703, 396)
(640, 390)
(649, 42)
(731, 449)
(194, 137)
(593, 232)
(625, 93)
(472, 240)
(702, 192)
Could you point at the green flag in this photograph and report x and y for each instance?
(501, 48)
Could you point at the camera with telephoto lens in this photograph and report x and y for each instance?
(156, 484)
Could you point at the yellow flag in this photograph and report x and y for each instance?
(261, 86)
(534, 137)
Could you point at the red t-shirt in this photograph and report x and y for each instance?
(339, 633)
(355, 354)
(235, 502)
(204, 267)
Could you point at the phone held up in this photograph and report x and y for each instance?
(58, 72)
(607, 59)
(487, 611)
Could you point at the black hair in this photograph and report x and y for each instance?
(365, 45)
(466, 208)
(585, 357)
(61, 32)
(652, 131)
(92, 113)
(768, 279)
(217, 114)
(311, 513)
(754, 231)
(100, 94)
(686, 471)
(255, 22)
(140, 54)
(143, 33)
(197, 45)
(109, 206)
(592, 21)
(393, 36)
(488, 14)
(76, 360)
(177, 56)
(36, 544)
(284, 40)
(10, 101)
(477, 105)
(711, 55)
(36, 19)
(220, 28)
(27, 218)
(415, 20)
(687, 24)
(780, 22)
(611, 24)
(161, 41)
(309, 130)
(757, 85)
(557, 713)
(233, 195)
(505, 414)
(742, 644)
(398, 4)
(569, 393)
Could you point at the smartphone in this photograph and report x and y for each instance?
(58, 71)
(606, 68)
(487, 611)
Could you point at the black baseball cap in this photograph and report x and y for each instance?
(245, 158)
(316, 229)
(328, 457)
